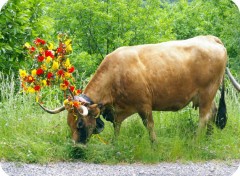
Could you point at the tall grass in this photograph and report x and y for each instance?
(28, 134)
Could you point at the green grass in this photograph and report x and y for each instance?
(27, 134)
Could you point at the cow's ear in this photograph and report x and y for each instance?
(94, 110)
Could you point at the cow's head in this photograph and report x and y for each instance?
(83, 120)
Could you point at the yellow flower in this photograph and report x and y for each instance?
(34, 72)
(63, 86)
(50, 46)
(68, 42)
(48, 59)
(44, 82)
(43, 66)
(41, 50)
(30, 90)
(22, 73)
(68, 45)
(27, 45)
(67, 63)
(67, 75)
(69, 48)
(65, 102)
(55, 65)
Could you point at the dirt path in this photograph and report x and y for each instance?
(212, 168)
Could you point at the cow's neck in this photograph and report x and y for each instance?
(98, 89)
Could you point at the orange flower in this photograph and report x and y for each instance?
(78, 91)
(29, 79)
(76, 104)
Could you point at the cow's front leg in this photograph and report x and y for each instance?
(148, 123)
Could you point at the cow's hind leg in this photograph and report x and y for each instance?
(148, 123)
(212, 119)
(207, 112)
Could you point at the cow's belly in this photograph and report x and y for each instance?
(175, 101)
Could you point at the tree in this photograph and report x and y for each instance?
(20, 21)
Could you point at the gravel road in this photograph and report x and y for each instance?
(212, 168)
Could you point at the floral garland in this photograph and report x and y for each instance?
(49, 66)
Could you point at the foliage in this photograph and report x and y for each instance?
(99, 27)
(20, 20)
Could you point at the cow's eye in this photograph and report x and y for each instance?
(80, 124)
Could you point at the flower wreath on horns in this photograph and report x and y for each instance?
(49, 66)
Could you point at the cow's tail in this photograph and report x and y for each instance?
(221, 119)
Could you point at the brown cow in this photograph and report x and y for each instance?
(162, 77)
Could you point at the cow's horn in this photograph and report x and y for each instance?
(233, 80)
(85, 110)
(55, 111)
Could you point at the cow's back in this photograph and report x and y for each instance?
(167, 75)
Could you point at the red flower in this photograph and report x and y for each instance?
(37, 88)
(49, 75)
(60, 72)
(40, 58)
(32, 49)
(49, 53)
(71, 69)
(71, 88)
(39, 71)
(59, 50)
(39, 41)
